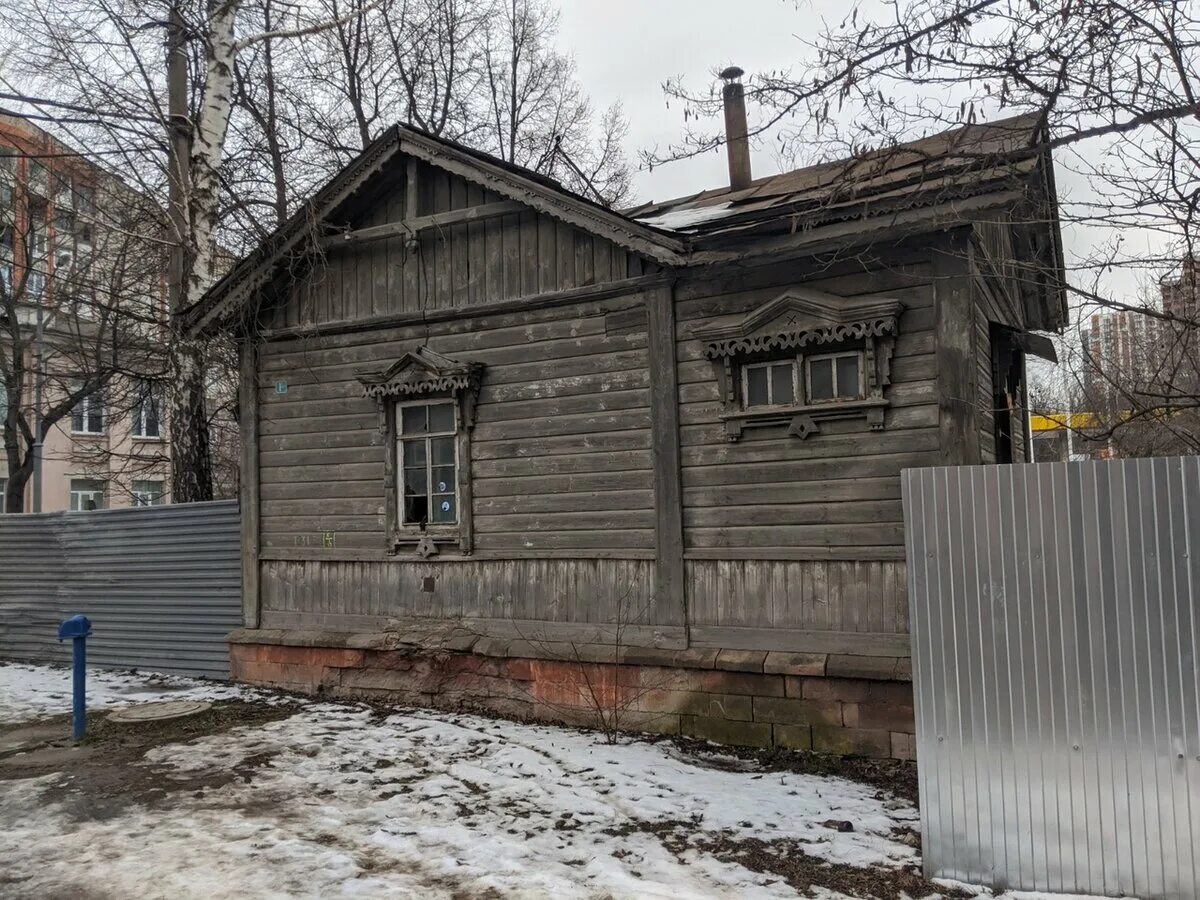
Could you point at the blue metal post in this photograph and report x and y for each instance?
(77, 628)
(78, 678)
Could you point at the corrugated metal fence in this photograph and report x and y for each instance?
(1055, 626)
(161, 584)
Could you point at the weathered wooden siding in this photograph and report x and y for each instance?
(834, 494)
(784, 533)
(505, 257)
(344, 595)
(994, 302)
(561, 448)
(848, 596)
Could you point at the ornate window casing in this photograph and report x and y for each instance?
(417, 382)
(804, 358)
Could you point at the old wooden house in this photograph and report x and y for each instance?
(493, 430)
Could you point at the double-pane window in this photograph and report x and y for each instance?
(147, 423)
(86, 493)
(147, 493)
(834, 376)
(770, 384)
(88, 415)
(428, 456)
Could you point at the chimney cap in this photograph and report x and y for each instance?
(732, 72)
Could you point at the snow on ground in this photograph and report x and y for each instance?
(30, 692)
(340, 800)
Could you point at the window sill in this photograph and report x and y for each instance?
(802, 419)
(97, 435)
(145, 439)
(434, 541)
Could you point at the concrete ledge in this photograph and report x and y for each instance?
(444, 635)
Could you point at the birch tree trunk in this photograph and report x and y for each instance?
(191, 469)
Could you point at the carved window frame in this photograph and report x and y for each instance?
(798, 325)
(425, 376)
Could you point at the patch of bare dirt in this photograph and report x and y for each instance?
(786, 859)
(107, 772)
(894, 775)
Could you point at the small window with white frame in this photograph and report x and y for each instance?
(769, 383)
(88, 415)
(87, 494)
(147, 493)
(427, 451)
(833, 376)
(147, 421)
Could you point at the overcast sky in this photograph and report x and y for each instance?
(625, 49)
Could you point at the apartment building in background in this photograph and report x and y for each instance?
(84, 295)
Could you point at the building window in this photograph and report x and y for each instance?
(88, 415)
(147, 493)
(769, 384)
(3, 496)
(86, 494)
(803, 359)
(429, 463)
(833, 376)
(147, 421)
(426, 403)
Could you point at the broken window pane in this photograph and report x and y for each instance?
(414, 419)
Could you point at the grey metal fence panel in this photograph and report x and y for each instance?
(161, 584)
(1055, 623)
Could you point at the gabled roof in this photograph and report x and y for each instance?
(926, 180)
(966, 161)
(514, 182)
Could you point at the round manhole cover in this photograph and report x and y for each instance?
(157, 712)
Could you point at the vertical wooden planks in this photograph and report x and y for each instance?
(565, 251)
(474, 255)
(547, 258)
(248, 481)
(458, 244)
(669, 585)
(954, 297)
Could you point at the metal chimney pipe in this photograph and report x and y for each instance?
(737, 142)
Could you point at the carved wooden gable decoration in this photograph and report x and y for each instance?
(426, 373)
(803, 358)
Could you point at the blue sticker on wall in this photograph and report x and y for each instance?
(281, 387)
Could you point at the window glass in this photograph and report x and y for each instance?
(820, 379)
(86, 493)
(147, 493)
(770, 384)
(146, 420)
(414, 419)
(781, 384)
(88, 415)
(757, 387)
(847, 376)
(441, 417)
(428, 464)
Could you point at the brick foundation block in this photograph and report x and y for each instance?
(786, 711)
(723, 731)
(852, 741)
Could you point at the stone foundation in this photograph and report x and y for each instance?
(852, 706)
